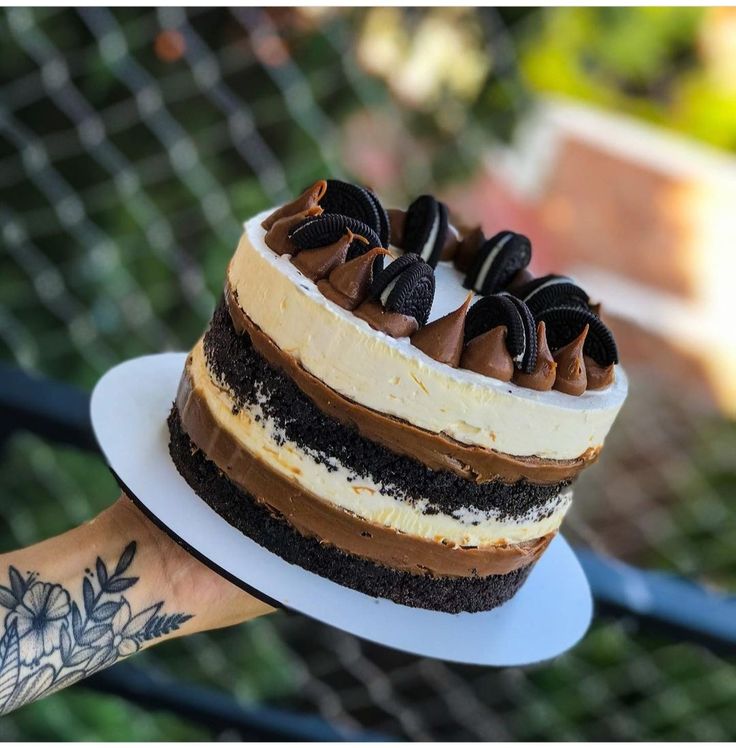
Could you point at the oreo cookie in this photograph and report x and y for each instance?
(351, 200)
(505, 309)
(406, 286)
(320, 231)
(565, 323)
(497, 262)
(550, 291)
(425, 229)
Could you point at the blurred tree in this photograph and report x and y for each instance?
(672, 66)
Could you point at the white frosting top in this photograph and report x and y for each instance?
(394, 377)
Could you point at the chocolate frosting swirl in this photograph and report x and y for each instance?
(392, 323)
(397, 220)
(349, 284)
(452, 243)
(571, 375)
(319, 263)
(487, 354)
(277, 237)
(467, 248)
(598, 376)
(545, 370)
(443, 339)
(308, 199)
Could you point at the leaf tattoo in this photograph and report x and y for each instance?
(49, 642)
(16, 583)
(101, 572)
(9, 663)
(125, 559)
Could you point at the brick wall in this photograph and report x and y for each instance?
(643, 219)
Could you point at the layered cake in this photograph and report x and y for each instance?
(395, 402)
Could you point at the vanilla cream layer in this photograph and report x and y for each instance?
(394, 377)
(361, 496)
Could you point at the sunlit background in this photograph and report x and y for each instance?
(133, 143)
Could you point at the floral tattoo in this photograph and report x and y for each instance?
(49, 643)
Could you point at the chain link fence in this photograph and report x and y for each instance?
(133, 143)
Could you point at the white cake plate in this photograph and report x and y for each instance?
(550, 613)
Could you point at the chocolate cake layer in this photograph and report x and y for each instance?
(270, 530)
(333, 525)
(251, 379)
(435, 450)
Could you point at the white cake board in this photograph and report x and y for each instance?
(550, 613)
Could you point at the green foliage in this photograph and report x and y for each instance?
(651, 62)
(80, 715)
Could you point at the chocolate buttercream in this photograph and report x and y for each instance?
(545, 370)
(598, 376)
(443, 339)
(312, 516)
(308, 199)
(467, 248)
(277, 237)
(436, 451)
(487, 354)
(348, 284)
(318, 263)
(392, 323)
(452, 243)
(571, 377)
(397, 221)
(521, 278)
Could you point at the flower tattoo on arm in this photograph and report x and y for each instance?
(49, 642)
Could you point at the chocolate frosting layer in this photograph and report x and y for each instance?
(436, 451)
(314, 517)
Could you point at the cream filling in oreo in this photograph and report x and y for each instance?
(486, 266)
(387, 291)
(426, 252)
(365, 498)
(547, 284)
(394, 377)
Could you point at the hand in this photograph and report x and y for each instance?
(192, 584)
(77, 603)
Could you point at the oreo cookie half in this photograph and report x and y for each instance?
(406, 286)
(320, 231)
(497, 262)
(565, 323)
(353, 201)
(504, 309)
(425, 230)
(550, 291)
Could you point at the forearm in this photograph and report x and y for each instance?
(77, 603)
